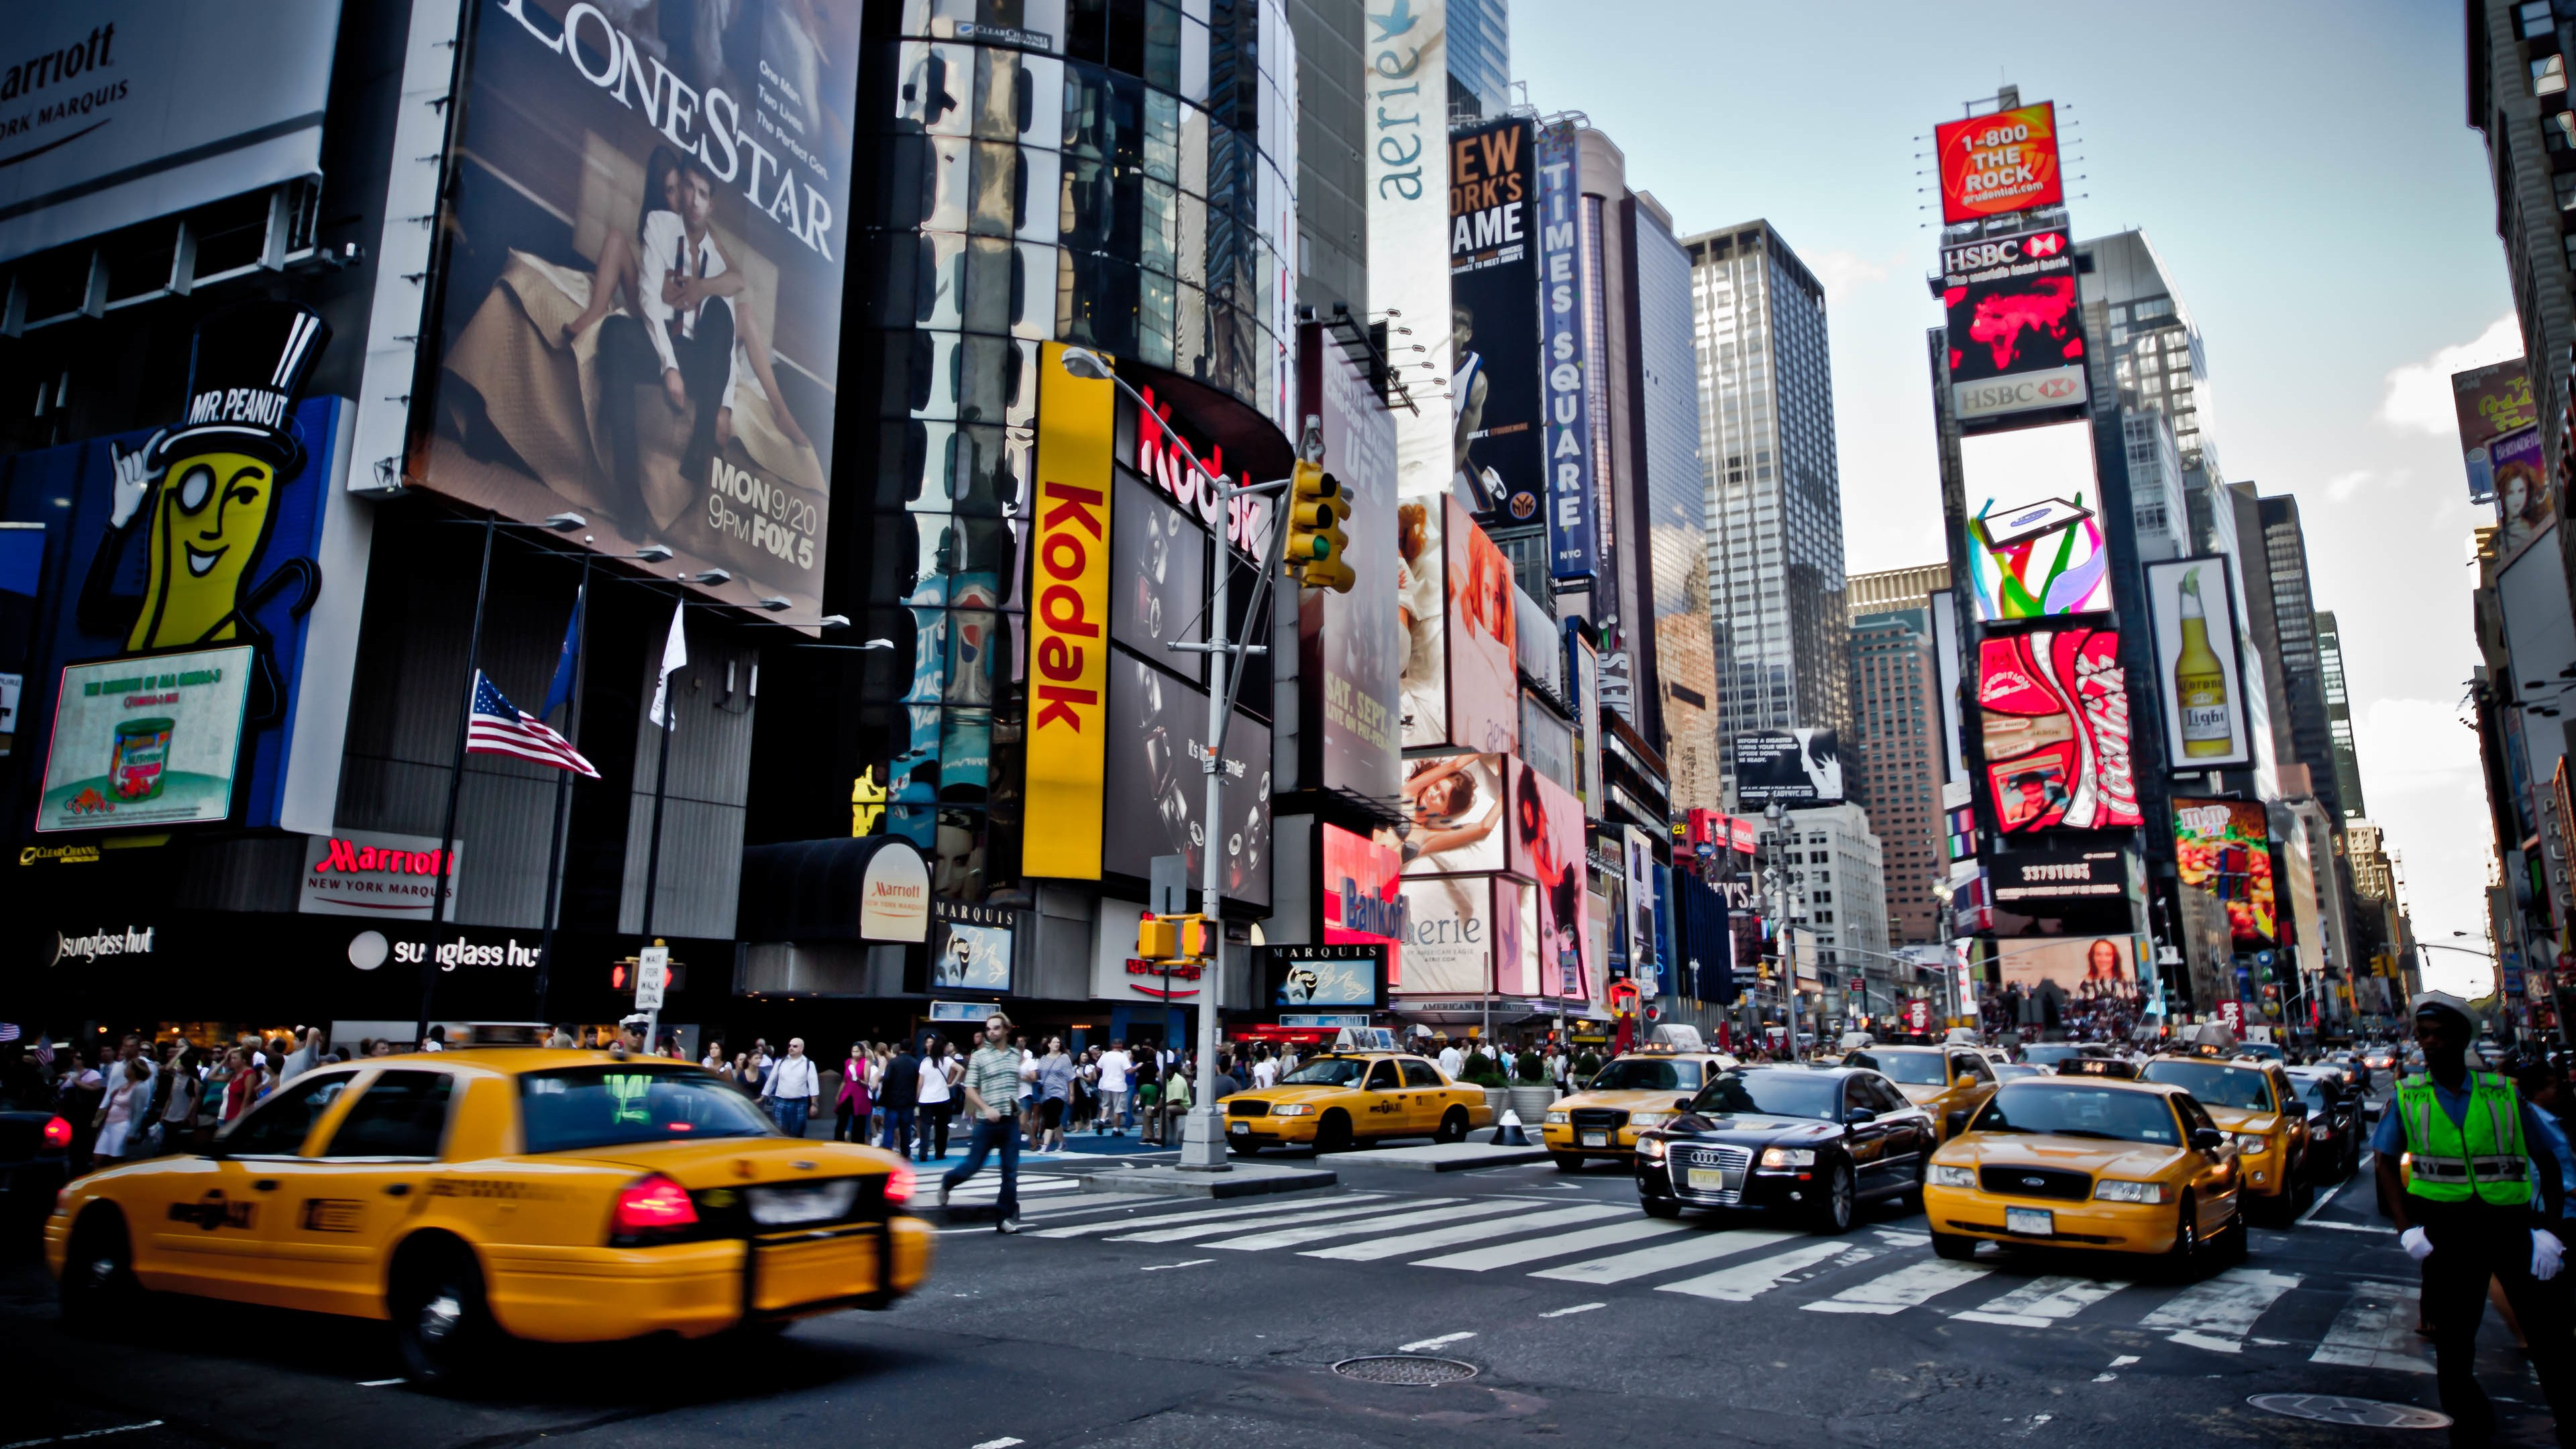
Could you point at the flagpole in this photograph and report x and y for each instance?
(455, 787)
(670, 707)
(563, 789)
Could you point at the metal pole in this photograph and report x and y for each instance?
(1203, 1144)
(455, 787)
(563, 791)
(661, 779)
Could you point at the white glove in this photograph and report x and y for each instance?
(134, 478)
(2545, 1250)
(2417, 1246)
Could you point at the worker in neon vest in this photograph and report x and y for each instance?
(2465, 1211)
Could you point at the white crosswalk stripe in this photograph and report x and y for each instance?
(1620, 1267)
(1561, 1245)
(2376, 1330)
(988, 1188)
(1747, 1281)
(2041, 1302)
(1240, 1210)
(1373, 1249)
(2217, 1314)
(1292, 1237)
(1278, 1220)
(1907, 1287)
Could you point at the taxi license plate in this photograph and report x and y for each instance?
(2038, 1221)
(1596, 1139)
(1243, 1127)
(1708, 1179)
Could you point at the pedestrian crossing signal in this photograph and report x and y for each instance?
(1175, 938)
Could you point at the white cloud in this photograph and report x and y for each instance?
(2419, 393)
(1844, 272)
(2342, 487)
(2412, 745)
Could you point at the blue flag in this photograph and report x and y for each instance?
(559, 692)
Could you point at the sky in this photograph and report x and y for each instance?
(2307, 175)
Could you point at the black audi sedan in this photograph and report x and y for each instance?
(1815, 1143)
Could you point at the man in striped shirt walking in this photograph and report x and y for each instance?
(992, 1089)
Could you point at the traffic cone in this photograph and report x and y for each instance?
(1510, 1134)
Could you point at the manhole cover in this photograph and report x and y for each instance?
(2364, 1413)
(1405, 1368)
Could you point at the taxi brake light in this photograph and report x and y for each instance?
(655, 1204)
(899, 1182)
(58, 1132)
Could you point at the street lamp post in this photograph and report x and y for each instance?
(1203, 1139)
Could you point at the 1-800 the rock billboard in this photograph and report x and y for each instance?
(640, 284)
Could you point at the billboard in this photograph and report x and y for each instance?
(1999, 162)
(2521, 492)
(2225, 848)
(1154, 801)
(2055, 729)
(2194, 613)
(1404, 62)
(1788, 767)
(141, 742)
(1159, 582)
(370, 873)
(1499, 473)
(125, 110)
(1303, 978)
(2029, 876)
(1945, 678)
(1573, 528)
(974, 950)
(639, 282)
(1454, 808)
(1547, 845)
(1483, 640)
(2015, 330)
(1363, 893)
(1353, 647)
(1451, 949)
(2491, 401)
(2034, 545)
(1069, 601)
(2075, 969)
(1422, 611)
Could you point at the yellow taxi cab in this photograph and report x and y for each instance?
(2255, 1102)
(1636, 1091)
(1944, 1081)
(1349, 1096)
(478, 1196)
(2089, 1162)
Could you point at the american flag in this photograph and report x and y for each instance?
(499, 727)
(45, 1050)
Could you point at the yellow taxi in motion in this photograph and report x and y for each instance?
(1636, 1091)
(1942, 1080)
(1338, 1100)
(2255, 1102)
(2088, 1162)
(472, 1197)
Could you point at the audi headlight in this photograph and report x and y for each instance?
(1643, 1120)
(1293, 1109)
(1943, 1176)
(2113, 1190)
(1652, 1147)
(1559, 1119)
(1788, 1157)
(2250, 1144)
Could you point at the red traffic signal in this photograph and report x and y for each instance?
(621, 975)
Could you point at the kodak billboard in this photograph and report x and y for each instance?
(1068, 675)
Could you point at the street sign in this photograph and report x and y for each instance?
(1169, 885)
(652, 974)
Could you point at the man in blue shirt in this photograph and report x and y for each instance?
(2465, 1215)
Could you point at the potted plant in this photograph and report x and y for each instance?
(1586, 1065)
(1483, 1069)
(1532, 1092)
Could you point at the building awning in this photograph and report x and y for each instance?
(864, 888)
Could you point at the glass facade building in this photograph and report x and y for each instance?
(1480, 58)
(1775, 545)
(1675, 523)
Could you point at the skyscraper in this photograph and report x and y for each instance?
(1896, 746)
(1775, 548)
(1674, 519)
(1480, 58)
(2347, 760)
(2294, 621)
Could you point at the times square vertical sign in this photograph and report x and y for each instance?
(1573, 540)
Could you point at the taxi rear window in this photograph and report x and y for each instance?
(609, 1106)
(1647, 1074)
(1327, 1072)
(1914, 1069)
(2245, 1088)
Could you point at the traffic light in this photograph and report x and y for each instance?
(621, 975)
(1316, 549)
(1175, 938)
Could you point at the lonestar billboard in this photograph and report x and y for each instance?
(1068, 621)
(1999, 162)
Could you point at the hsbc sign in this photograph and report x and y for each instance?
(2061, 387)
(1992, 257)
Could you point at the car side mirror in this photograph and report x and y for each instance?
(1954, 1122)
(1860, 1116)
(2207, 1139)
(1681, 1104)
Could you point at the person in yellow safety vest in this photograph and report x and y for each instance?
(2465, 1212)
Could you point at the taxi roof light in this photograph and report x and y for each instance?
(654, 1204)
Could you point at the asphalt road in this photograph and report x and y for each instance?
(1144, 1322)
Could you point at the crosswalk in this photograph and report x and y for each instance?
(1884, 1271)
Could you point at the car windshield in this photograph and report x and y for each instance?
(1914, 1069)
(1778, 1092)
(2266, 1050)
(1327, 1072)
(2216, 1084)
(2049, 1056)
(1647, 1074)
(607, 1106)
(2015, 1071)
(2314, 1092)
(2065, 1110)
